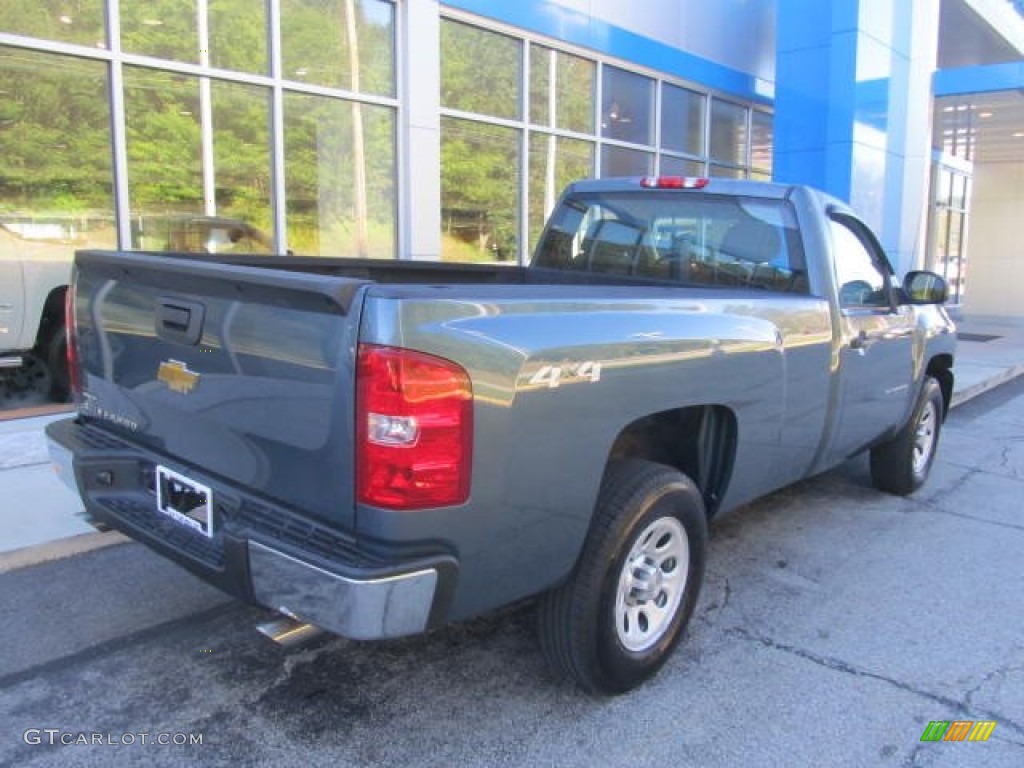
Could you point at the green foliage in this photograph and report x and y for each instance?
(481, 73)
(164, 29)
(238, 35)
(55, 142)
(573, 93)
(164, 140)
(315, 47)
(480, 70)
(54, 133)
(480, 184)
(241, 144)
(320, 175)
(69, 21)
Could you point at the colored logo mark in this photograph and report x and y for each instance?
(176, 375)
(958, 730)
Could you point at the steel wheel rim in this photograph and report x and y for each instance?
(924, 437)
(651, 584)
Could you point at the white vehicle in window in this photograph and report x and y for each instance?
(35, 268)
(36, 254)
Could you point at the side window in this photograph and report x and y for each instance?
(862, 281)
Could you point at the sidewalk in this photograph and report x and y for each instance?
(990, 352)
(40, 519)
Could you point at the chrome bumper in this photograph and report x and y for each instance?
(359, 609)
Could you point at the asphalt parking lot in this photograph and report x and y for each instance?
(836, 623)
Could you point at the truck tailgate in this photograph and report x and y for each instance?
(235, 373)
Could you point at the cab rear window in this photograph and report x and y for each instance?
(692, 238)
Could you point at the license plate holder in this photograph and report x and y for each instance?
(184, 500)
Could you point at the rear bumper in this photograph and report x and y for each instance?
(258, 550)
(363, 609)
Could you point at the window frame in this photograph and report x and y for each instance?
(863, 234)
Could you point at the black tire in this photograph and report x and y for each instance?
(901, 465)
(591, 628)
(56, 350)
(28, 384)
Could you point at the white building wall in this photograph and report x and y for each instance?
(995, 271)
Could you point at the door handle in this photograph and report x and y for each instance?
(179, 321)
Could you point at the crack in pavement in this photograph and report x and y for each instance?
(997, 523)
(996, 673)
(929, 505)
(714, 608)
(1004, 462)
(963, 707)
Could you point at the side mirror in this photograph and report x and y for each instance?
(922, 287)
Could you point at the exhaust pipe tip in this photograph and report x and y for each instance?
(289, 633)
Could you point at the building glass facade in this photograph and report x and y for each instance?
(168, 125)
(236, 125)
(522, 117)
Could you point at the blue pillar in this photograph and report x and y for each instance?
(813, 97)
(853, 109)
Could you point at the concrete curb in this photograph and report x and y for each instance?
(959, 398)
(59, 549)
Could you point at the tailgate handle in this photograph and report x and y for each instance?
(179, 321)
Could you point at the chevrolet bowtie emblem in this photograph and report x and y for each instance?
(176, 375)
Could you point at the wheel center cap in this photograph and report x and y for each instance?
(647, 580)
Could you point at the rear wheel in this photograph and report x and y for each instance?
(27, 385)
(624, 608)
(901, 465)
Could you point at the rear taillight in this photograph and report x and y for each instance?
(71, 340)
(414, 429)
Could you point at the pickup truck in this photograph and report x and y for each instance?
(380, 448)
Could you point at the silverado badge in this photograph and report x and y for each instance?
(176, 375)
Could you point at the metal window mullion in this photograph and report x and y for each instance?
(10, 40)
(215, 73)
(708, 103)
(630, 145)
(964, 223)
(402, 176)
(932, 227)
(562, 133)
(118, 129)
(277, 159)
(659, 87)
(598, 128)
(476, 117)
(550, 171)
(524, 156)
(206, 111)
(748, 115)
(676, 155)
